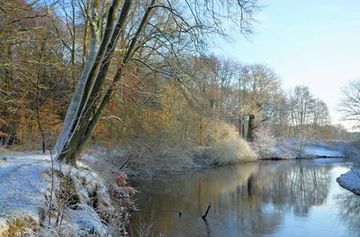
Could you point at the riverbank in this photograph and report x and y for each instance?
(149, 162)
(168, 161)
(350, 180)
(296, 148)
(41, 198)
(80, 201)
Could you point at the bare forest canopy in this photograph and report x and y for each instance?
(158, 82)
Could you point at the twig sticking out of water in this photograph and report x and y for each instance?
(206, 212)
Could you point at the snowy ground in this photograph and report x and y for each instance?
(21, 186)
(350, 180)
(297, 148)
(25, 184)
(316, 151)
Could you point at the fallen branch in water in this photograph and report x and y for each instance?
(206, 212)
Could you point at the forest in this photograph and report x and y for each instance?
(172, 91)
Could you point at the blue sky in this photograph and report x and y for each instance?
(309, 42)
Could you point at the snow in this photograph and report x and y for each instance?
(21, 186)
(25, 184)
(86, 220)
(350, 180)
(88, 183)
(292, 148)
(317, 151)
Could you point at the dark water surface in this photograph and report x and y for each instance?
(278, 198)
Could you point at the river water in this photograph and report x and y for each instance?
(272, 198)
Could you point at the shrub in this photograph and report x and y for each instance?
(264, 144)
(227, 147)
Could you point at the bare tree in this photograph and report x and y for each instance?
(350, 103)
(258, 86)
(29, 56)
(320, 115)
(307, 112)
(301, 105)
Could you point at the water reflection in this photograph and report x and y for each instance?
(298, 186)
(349, 210)
(248, 200)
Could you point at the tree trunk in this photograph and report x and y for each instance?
(88, 100)
(251, 127)
(240, 126)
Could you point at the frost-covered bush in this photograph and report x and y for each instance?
(264, 143)
(221, 145)
(351, 151)
(227, 147)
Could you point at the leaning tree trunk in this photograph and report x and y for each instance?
(90, 98)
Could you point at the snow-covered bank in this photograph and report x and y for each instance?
(77, 204)
(21, 191)
(149, 163)
(167, 161)
(350, 180)
(294, 148)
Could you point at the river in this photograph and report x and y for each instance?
(270, 198)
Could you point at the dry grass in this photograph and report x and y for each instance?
(19, 227)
